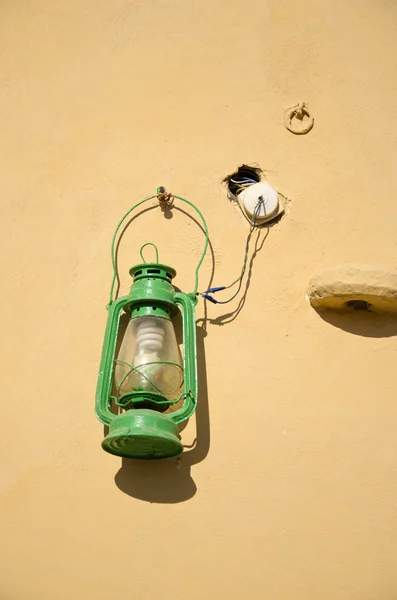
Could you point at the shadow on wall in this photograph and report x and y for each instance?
(169, 481)
(364, 323)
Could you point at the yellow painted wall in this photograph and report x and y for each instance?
(294, 496)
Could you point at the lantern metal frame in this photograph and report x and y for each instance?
(148, 432)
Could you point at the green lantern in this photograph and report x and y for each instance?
(153, 386)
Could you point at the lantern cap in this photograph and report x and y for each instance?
(153, 270)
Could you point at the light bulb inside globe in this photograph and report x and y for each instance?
(149, 359)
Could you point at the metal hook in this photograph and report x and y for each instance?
(299, 111)
(165, 198)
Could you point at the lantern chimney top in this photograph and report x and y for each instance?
(152, 271)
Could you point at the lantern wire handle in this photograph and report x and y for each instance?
(155, 249)
(113, 247)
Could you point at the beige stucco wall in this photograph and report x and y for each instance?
(294, 497)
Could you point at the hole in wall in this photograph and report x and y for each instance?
(244, 173)
(358, 305)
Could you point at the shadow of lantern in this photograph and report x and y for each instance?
(169, 481)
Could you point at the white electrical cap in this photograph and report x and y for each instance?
(250, 197)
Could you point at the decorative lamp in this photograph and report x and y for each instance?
(153, 387)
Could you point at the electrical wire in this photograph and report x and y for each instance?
(241, 183)
(239, 279)
(242, 179)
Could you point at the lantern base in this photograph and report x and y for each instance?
(142, 433)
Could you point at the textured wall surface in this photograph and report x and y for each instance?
(291, 490)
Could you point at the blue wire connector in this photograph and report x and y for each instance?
(212, 290)
(210, 298)
(215, 289)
